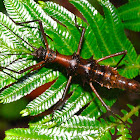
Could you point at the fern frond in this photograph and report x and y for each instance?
(124, 133)
(47, 99)
(138, 63)
(129, 13)
(77, 127)
(11, 44)
(72, 106)
(27, 85)
(97, 26)
(68, 130)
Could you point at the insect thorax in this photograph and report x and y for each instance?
(47, 55)
(40, 53)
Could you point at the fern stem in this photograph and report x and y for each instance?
(132, 112)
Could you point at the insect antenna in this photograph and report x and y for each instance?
(7, 74)
(3, 54)
(1, 67)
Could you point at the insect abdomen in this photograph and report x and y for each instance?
(127, 84)
(108, 77)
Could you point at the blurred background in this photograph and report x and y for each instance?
(10, 113)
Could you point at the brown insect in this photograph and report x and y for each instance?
(88, 69)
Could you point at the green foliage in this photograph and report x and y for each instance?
(129, 13)
(104, 36)
(50, 97)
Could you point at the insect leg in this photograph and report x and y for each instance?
(125, 52)
(81, 38)
(104, 104)
(33, 67)
(66, 88)
(41, 29)
(60, 102)
(19, 36)
(113, 55)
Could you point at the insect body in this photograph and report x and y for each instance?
(89, 69)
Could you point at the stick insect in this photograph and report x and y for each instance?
(89, 69)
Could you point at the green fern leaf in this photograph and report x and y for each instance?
(138, 63)
(129, 13)
(15, 10)
(27, 85)
(72, 106)
(11, 44)
(78, 127)
(47, 99)
(72, 131)
(26, 134)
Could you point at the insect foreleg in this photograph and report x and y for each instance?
(113, 55)
(33, 67)
(40, 26)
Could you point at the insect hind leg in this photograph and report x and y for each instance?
(124, 54)
(105, 105)
(113, 55)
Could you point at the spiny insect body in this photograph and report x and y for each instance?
(89, 69)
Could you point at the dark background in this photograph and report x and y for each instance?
(9, 113)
